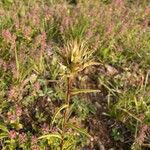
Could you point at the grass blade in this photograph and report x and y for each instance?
(80, 130)
(79, 91)
(48, 136)
(3, 128)
(3, 135)
(58, 111)
(130, 114)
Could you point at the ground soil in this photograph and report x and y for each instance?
(100, 125)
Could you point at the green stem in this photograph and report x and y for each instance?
(17, 62)
(67, 101)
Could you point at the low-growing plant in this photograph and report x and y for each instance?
(132, 108)
(75, 57)
(45, 66)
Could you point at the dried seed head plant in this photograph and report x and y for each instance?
(75, 56)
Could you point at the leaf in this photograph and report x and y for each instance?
(48, 136)
(79, 91)
(3, 135)
(80, 130)
(58, 111)
(107, 87)
(105, 52)
(88, 64)
(3, 128)
(130, 114)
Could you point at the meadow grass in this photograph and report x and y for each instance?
(53, 52)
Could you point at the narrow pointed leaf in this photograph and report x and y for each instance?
(130, 114)
(58, 111)
(3, 135)
(79, 91)
(80, 130)
(88, 64)
(3, 128)
(48, 136)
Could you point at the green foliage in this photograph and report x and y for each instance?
(58, 111)
(78, 129)
(45, 45)
(79, 91)
(82, 109)
(117, 135)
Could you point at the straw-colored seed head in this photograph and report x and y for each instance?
(76, 56)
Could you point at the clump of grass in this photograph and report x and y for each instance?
(132, 108)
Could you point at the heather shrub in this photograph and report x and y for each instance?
(61, 60)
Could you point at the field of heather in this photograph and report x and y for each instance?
(74, 74)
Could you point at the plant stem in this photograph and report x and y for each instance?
(17, 62)
(67, 101)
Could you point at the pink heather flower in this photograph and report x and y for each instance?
(146, 23)
(48, 13)
(110, 28)
(37, 86)
(34, 15)
(11, 116)
(17, 22)
(6, 35)
(54, 129)
(49, 48)
(66, 22)
(45, 128)
(34, 140)
(22, 137)
(27, 31)
(18, 111)
(12, 134)
(142, 116)
(12, 94)
(43, 41)
(119, 3)
(147, 10)
(62, 29)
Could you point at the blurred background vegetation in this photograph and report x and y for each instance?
(32, 75)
